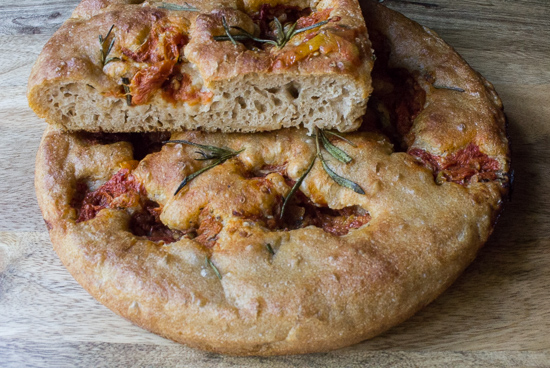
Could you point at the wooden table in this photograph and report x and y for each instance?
(496, 314)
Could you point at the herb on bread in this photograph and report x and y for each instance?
(270, 249)
(337, 178)
(213, 267)
(104, 54)
(296, 186)
(126, 85)
(283, 33)
(334, 151)
(218, 154)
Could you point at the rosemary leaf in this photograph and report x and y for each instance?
(205, 156)
(336, 152)
(291, 30)
(337, 178)
(227, 31)
(456, 89)
(282, 36)
(220, 155)
(102, 44)
(270, 249)
(247, 36)
(295, 187)
(176, 7)
(341, 180)
(109, 32)
(213, 267)
(108, 60)
(313, 26)
(238, 37)
(192, 176)
(110, 47)
(341, 137)
(126, 85)
(218, 150)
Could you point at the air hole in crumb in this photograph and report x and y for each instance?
(241, 102)
(260, 107)
(273, 90)
(277, 102)
(293, 90)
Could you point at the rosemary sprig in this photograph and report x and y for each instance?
(209, 263)
(456, 89)
(227, 31)
(218, 154)
(296, 186)
(336, 152)
(104, 59)
(176, 7)
(126, 85)
(337, 178)
(283, 36)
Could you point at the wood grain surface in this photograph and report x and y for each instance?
(496, 315)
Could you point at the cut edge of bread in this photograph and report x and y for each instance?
(248, 103)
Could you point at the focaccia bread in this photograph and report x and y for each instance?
(127, 66)
(222, 255)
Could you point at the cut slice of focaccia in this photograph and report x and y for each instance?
(233, 66)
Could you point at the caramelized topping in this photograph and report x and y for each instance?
(397, 97)
(162, 52)
(123, 191)
(461, 166)
(209, 229)
(163, 44)
(304, 213)
(148, 80)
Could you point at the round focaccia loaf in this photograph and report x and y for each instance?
(158, 67)
(216, 266)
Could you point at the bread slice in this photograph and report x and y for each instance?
(134, 66)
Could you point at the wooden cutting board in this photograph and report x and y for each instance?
(496, 314)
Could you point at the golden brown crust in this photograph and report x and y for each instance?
(318, 291)
(344, 288)
(450, 119)
(179, 77)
